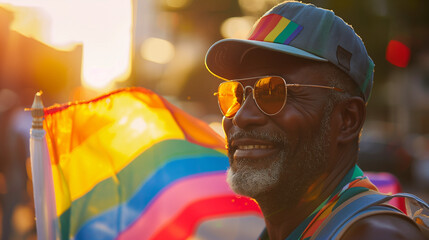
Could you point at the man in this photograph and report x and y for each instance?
(294, 104)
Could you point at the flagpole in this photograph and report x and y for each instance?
(43, 188)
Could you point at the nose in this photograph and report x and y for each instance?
(249, 115)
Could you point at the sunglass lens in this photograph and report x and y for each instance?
(230, 97)
(270, 94)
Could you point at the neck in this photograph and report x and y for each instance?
(283, 213)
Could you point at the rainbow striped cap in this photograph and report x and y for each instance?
(301, 30)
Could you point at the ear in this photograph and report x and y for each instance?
(352, 114)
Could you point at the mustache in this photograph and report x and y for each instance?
(265, 135)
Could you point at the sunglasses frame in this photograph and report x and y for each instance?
(286, 85)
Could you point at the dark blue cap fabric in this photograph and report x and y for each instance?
(302, 30)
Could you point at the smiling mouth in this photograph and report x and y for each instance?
(250, 147)
(247, 148)
(252, 144)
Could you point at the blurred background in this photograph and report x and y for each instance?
(77, 50)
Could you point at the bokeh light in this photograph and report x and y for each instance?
(237, 27)
(176, 3)
(252, 5)
(398, 53)
(157, 50)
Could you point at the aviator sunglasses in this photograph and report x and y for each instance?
(269, 93)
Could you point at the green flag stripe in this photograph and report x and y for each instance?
(108, 194)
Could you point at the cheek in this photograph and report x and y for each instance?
(291, 121)
(298, 124)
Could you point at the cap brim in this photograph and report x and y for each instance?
(225, 55)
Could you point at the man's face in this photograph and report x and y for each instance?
(286, 151)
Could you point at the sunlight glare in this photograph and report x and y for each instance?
(139, 125)
(157, 50)
(103, 27)
(123, 121)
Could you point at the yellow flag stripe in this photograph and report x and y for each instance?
(281, 25)
(120, 141)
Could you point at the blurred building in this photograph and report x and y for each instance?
(27, 63)
(26, 66)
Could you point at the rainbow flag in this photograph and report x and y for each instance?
(387, 183)
(130, 165)
(275, 28)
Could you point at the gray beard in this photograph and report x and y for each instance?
(251, 182)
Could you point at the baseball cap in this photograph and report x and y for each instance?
(301, 30)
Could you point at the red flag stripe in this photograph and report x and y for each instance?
(185, 223)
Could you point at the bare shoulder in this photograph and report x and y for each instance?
(383, 226)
